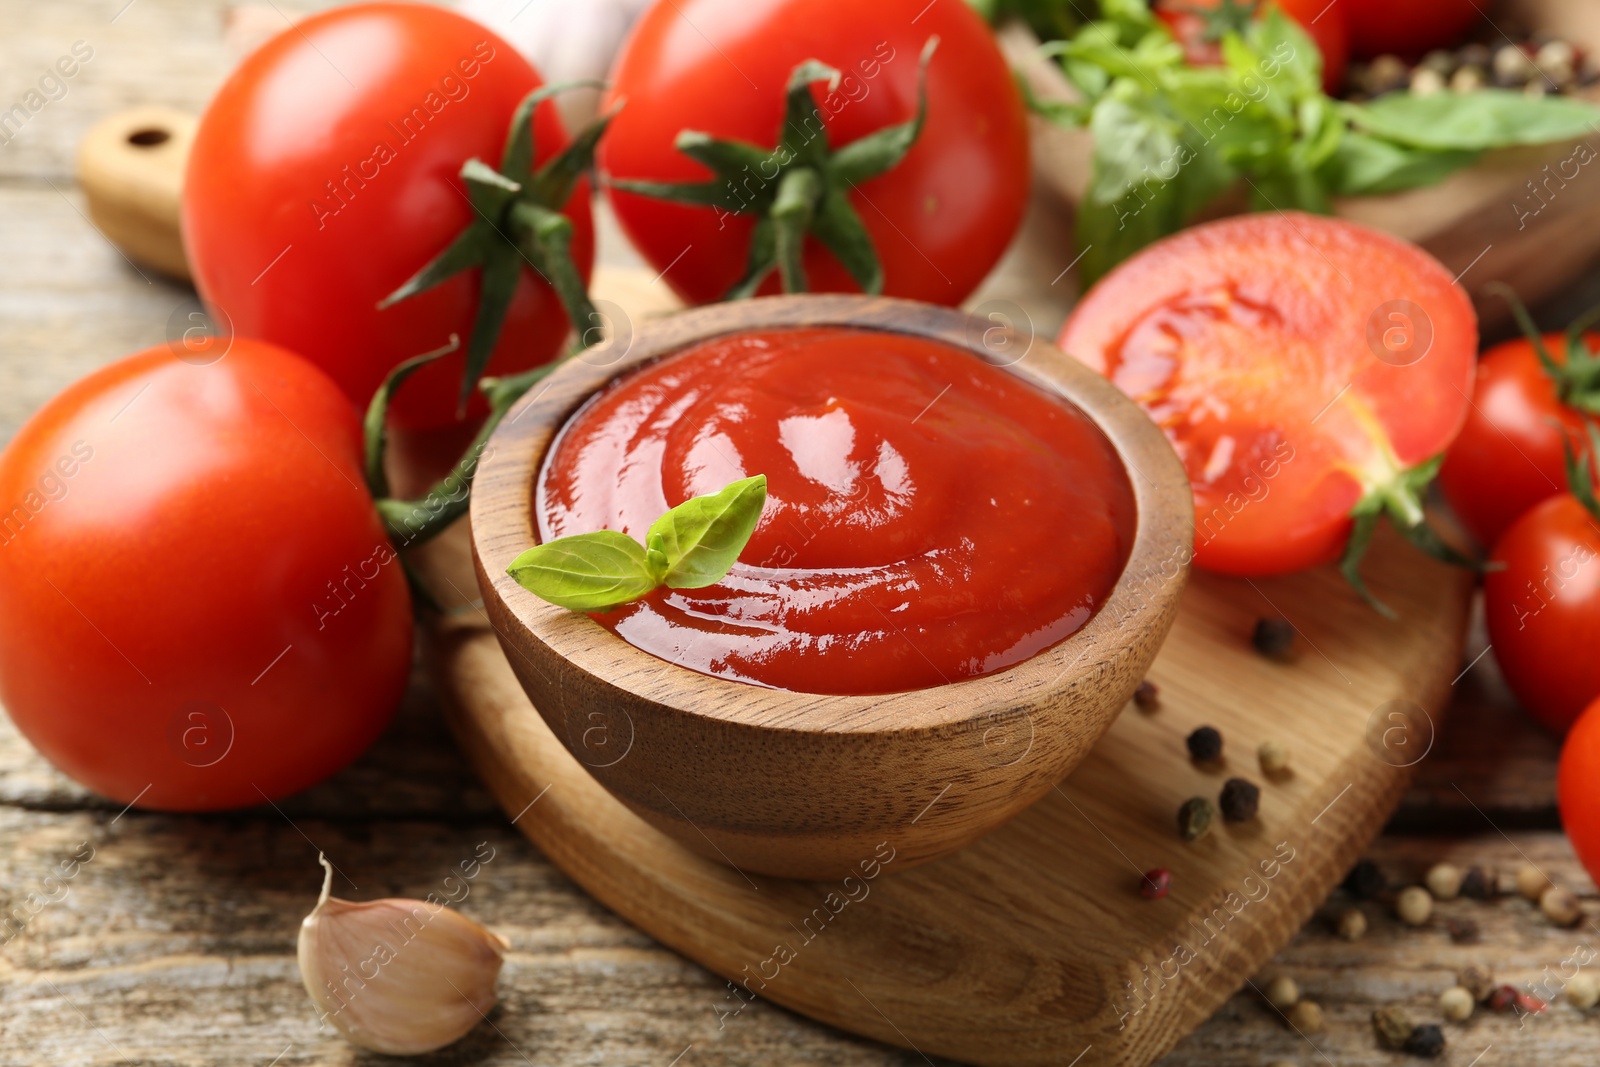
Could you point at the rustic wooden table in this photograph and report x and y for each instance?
(175, 943)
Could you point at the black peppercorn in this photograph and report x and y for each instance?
(1426, 1040)
(1240, 800)
(1205, 745)
(1147, 697)
(1462, 931)
(1480, 883)
(1274, 639)
(1365, 881)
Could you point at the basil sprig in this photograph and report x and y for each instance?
(691, 546)
(1169, 138)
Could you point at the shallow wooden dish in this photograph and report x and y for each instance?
(803, 785)
(1511, 217)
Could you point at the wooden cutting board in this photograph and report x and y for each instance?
(1032, 946)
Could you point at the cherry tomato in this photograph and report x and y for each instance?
(1199, 24)
(1280, 353)
(206, 610)
(1408, 28)
(1578, 788)
(324, 174)
(939, 220)
(1543, 609)
(1510, 454)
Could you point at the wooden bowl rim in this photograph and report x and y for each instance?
(503, 525)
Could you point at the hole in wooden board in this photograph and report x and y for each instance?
(149, 138)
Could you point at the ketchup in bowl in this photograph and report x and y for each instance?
(929, 517)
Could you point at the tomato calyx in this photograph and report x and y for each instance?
(519, 221)
(1400, 498)
(1577, 379)
(802, 185)
(1580, 469)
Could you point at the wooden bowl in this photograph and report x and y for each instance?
(815, 786)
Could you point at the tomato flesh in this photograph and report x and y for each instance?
(939, 220)
(207, 609)
(324, 174)
(928, 518)
(1247, 341)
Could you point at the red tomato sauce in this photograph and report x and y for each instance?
(929, 517)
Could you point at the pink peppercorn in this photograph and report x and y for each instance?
(1155, 883)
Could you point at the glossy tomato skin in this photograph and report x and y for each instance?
(324, 174)
(939, 220)
(1578, 788)
(206, 610)
(1324, 24)
(1250, 341)
(1543, 609)
(1408, 27)
(1510, 454)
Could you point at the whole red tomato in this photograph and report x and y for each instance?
(324, 174)
(939, 220)
(1511, 452)
(1578, 788)
(1304, 368)
(1409, 27)
(1543, 609)
(1199, 26)
(205, 610)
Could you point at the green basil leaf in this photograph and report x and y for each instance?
(1364, 165)
(702, 537)
(586, 572)
(1487, 118)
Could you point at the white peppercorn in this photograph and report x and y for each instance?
(1444, 881)
(1414, 905)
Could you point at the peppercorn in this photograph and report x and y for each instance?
(1148, 696)
(1274, 757)
(1504, 998)
(1582, 992)
(1414, 905)
(1467, 79)
(1205, 745)
(1306, 1017)
(1476, 979)
(1394, 1027)
(1155, 883)
(1531, 882)
(1444, 881)
(1427, 82)
(1462, 931)
(1195, 818)
(1352, 924)
(1240, 800)
(1282, 992)
(1274, 639)
(1456, 1004)
(1528, 1004)
(1480, 883)
(1366, 880)
(1560, 906)
(1426, 1041)
(1385, 74)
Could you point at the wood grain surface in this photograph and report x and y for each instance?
(175, 945)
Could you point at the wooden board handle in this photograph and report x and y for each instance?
(130, 165)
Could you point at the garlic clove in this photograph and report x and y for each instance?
(396, 975)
